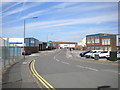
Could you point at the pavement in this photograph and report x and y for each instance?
(61, 71)
(19, 75)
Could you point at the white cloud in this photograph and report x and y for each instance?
(33, 14)
(79, 9)
(17, 10)
(61, 9)
(78, 35)
(62, 0)
(63, 5)
(56, 23)
(11, 6)
(38, 13)
(90, 20)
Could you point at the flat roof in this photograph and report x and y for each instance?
(99, 34)
(109, 36)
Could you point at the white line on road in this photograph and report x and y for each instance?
(64, 62)
(24, 62)
(57, 55)
(86, 67)
(57, 60)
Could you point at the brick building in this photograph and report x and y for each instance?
(103, 42)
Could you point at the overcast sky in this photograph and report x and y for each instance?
(60, 21)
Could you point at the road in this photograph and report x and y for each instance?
(62, 72)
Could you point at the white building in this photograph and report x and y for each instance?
(17, 41)
(84, 42)
(67, 45)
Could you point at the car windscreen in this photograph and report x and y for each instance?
(104, 52)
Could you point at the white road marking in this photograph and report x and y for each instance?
(24, 62)
(57, 55)
(57, 60)
(86, 67)
(64, 62)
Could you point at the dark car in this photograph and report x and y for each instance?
(26, 53)
(83, 53)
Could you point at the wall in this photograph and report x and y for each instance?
(32, 49)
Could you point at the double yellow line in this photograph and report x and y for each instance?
(42, 80)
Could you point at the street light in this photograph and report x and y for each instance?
(24, 32)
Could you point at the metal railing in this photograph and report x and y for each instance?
(9, 53)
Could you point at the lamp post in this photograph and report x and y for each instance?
(24, 32)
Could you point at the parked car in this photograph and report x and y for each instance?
(27, 52)
(118, 55)
(101, 54)
(83, 53)
(89, 55)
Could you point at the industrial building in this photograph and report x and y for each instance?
(81, 45)
(18, 41)
(31, 44)
(110, 42)
(65, 44)
(46, 46)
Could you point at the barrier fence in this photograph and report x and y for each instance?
(9, 53)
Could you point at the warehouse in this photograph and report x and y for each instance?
(18, 41)
(32, 45)
(46, 46)
(65, 44)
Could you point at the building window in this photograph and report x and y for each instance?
(119, 39)
(97, 39)
(90, 39)
(105, 41)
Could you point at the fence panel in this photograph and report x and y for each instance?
(9, 53)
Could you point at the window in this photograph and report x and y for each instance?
(105, 41)
(88, 40)
(92, 39)
(97, 39)
(104, 52)
(119, 39)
